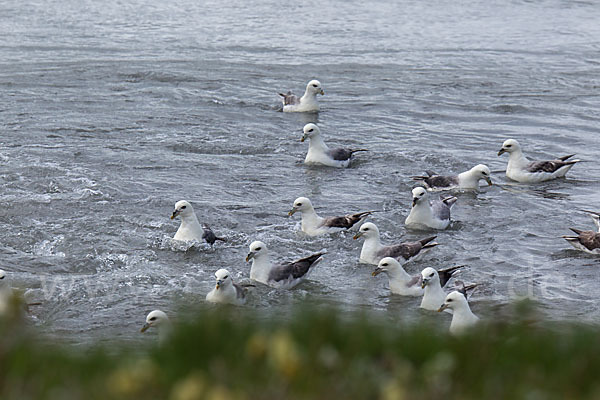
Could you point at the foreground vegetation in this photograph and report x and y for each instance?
(313, 354)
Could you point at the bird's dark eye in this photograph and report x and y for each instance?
(366, 229)
(153, 318)
(258, 248)
(315, 85)
(508, 145)
(183, 207)
(449, 300)
(310, 130)
(385, 265)
(299, 204)
(431, 275)
(225, 277)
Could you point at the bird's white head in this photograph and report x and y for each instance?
(314, 86)
(156, 319)
(429, 275)
(300, 204)
(453, 301)
(367, 230)
(257, 249)
(481, 171)
(223, 278)
(309, 131)
(182, 209)
(509, 146)
(419, 194)
(387, 264)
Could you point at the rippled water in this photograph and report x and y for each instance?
(112, 111)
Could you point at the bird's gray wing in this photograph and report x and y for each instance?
(293, 270)
(340, 154)
(405, 250)
(346, 221)
(208, 235)
(547, 166)
(289, 98)
(240, 290)
(439, 181)
(441, 209)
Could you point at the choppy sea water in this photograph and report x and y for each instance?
(112, 111)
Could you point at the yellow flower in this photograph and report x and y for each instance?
(190, 388)
(284, 354)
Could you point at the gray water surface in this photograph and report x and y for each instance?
(112, 111)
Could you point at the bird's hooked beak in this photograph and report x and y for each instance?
(415, 200)
(502, 151)
(175, 213)
(424, 283)
(488, 180)
(145, 327)
(442, 307)
(304, 137)
(377, 271)
(220, 283)
(250, 256)
(322, 92)
(358, 234)
(292, 211)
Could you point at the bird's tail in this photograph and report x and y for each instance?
(425, 242)
(447, 273)
(449, 201)
(565, 158)
(464, 289)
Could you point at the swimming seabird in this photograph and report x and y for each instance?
(190, 229)
(520, 169)
(373, 251)
(319, 153)
(434, 215)
(285, 275)
(11, 300)
(160, 321)
(314, 225)
(400, 281)
(433, 281)
(306, 103)
(6, 293)
(226, 291)
(462, 316)
(588, 241)
(468, 180)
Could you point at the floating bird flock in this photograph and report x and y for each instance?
(434, 214)
(424, 214)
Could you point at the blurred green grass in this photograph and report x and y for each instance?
(314, 353)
